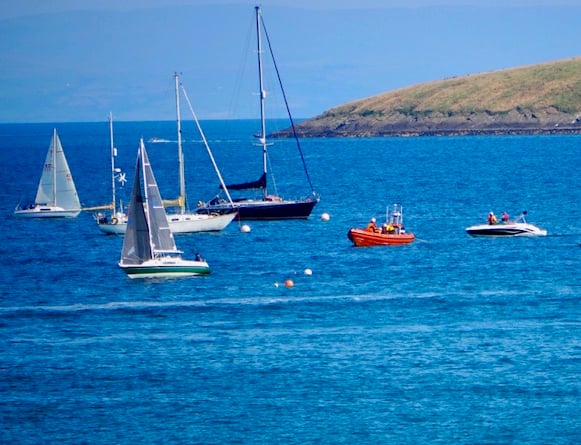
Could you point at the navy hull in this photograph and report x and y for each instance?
(265, 210)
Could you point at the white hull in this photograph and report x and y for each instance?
(511, 229)
(166, 267)
(56, 196)
(46, 212)
(178, 223)
(193, 222)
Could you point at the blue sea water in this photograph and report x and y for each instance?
(451, 339)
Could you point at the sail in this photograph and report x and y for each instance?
(45, 192)
(56, 185)
(259, 184)
(160, 234)
(136, 246)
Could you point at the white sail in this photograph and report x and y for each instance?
(56, 187)
(160, 234)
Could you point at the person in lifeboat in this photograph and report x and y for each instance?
(372, 226)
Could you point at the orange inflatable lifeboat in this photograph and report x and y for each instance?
(392, 232)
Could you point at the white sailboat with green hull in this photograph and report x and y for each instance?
(56, 196)
(149, 249)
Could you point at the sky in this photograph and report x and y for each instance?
(72, 60)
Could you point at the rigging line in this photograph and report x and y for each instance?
(295, 135)
(234, 105)
(272, 176)
(217, 170)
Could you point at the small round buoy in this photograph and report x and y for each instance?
(289, 283)
(325, 217)
(245, 228)
(308, 272)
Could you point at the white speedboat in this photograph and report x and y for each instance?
(509, 229)
(520, 227)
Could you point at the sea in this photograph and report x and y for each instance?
(448, 340)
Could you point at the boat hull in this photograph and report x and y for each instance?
(173, 268)
(178, 223)
(513, 229)
(46, 212)
(365, 238)
(264, 209)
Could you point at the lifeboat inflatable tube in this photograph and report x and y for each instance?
(365, 238)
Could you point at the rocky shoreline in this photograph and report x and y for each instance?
(474, 125)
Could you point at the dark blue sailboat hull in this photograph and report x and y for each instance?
(264, 209)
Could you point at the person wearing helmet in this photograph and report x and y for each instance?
(372, 226)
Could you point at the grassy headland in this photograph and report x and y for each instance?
(536, 99)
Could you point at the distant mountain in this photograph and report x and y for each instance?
(536, 99)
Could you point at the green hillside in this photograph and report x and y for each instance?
(543, 98)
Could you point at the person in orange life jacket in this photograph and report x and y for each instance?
(371, 227)
(491, 218)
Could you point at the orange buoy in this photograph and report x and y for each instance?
(289, 283)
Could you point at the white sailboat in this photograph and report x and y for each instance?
(185, 221)
(116, 222)
(182, 221)
(56, 196)
(149, 249)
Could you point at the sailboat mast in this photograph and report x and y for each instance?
(182, 197)
(216, 169)
(113, 154)
(262, 95)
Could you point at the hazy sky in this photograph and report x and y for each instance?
(73, 60)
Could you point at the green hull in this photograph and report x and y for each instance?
(164, 271)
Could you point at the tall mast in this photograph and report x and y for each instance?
(216, 169)
(262, 95)
(182, 197)
(113, 154)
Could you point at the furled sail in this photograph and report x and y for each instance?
(259, 184)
